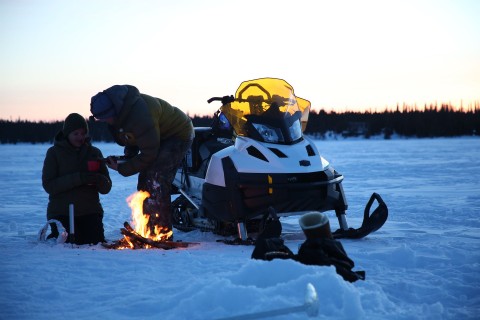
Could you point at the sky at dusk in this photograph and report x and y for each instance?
(340, 55)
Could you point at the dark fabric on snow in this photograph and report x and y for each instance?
(268, 245)
(328, 252)
(271, 248)
(320, 251)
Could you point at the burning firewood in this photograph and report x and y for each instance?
(143, 237)
(133, 240)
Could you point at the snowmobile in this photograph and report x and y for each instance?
(254, 159)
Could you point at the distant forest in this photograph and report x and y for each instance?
(431, 121)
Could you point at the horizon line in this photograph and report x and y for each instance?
(404, 107)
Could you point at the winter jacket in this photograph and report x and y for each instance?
(66, 179)
(142, 122)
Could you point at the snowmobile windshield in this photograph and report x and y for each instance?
(267, 110)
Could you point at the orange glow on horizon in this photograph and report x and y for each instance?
(60, 114)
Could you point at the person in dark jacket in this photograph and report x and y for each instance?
(73, 174)
(156, 137)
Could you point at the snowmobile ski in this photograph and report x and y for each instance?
(371, 222)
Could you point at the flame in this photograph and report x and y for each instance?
(140, 221)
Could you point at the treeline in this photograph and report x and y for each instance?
(431, 121)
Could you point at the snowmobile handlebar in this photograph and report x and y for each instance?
(224, 99)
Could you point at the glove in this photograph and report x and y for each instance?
(131, 151)
(89, 178)
(102, 183)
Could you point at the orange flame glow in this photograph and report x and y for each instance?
(140, 221)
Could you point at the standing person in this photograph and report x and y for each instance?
(156, 137)
(73, 174)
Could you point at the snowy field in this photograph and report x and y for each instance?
(423, 264)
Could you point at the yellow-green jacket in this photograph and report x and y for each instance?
(142, 122)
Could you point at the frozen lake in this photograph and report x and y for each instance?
(423, 264)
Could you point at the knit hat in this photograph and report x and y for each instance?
(102, 107)
(73, 122)
(315, 225)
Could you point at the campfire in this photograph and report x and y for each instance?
(141, 236)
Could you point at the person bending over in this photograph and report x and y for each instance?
(155, 136)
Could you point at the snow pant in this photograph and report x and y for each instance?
(157, 181)
(88, 228)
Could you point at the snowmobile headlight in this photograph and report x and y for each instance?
(295, 130)
(269, 134)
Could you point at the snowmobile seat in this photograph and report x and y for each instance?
(206, 143)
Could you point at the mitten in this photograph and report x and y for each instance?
(131, 151)
(89, 178)
(104, 184)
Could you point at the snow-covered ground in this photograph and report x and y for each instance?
(423, 264)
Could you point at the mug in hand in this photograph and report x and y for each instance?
(93, 165)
